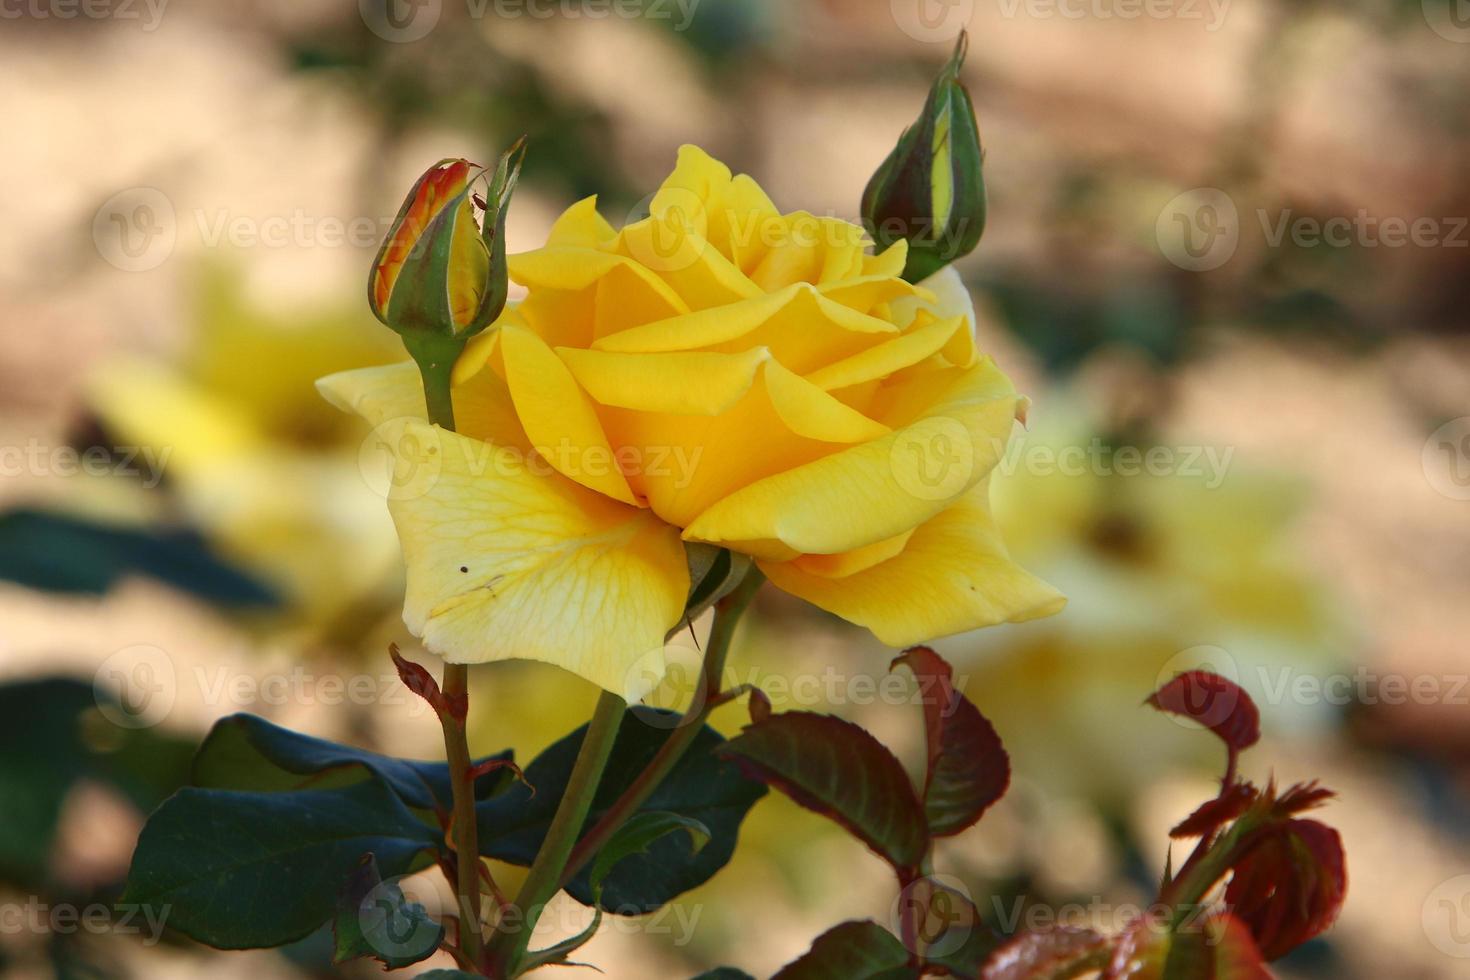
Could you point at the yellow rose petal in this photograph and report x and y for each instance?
(950, 432)
(581, 226)
(506, 562)
(677, 382)
(953, 575)
(803, 329)
(482, 405)
(878, 362)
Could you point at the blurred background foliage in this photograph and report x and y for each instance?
(229, 526)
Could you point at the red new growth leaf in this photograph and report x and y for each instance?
(1217, 948)
(1234, 800)
(1290, 884)
(1219, 704)
(417, 679)
(968, 769)
(495, 765)
(837, 769)
(1058, 952)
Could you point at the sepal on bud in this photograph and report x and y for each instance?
(930, 191)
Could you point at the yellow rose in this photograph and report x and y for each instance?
(718, 372)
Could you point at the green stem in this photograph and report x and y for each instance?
(509, 944)
(463, 828)
(435, 357)
(727, 615)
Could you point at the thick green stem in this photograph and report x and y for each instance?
(727, 615)
(435, 357)
(544, 879)
(463, 828)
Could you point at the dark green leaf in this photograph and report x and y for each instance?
(375, 919)
(837, 769)
(558, 954)
(724, 973)
(701, 787)
(968, 768)
(59, 553)
(636, 836)
(860, 950)
(238, 870)
(248, 753)
(447, 975)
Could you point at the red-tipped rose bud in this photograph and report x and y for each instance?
(441, 273)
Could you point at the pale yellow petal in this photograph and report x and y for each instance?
(482, 405)
(952, 575)
(508, 560)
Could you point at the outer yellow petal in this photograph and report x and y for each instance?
(953, 575)
(558, 417)
(507, 562)
(950, 431)
(482, 405)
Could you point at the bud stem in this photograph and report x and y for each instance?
(435, 357)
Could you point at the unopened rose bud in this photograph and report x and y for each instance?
(441, 273)
(931, 188)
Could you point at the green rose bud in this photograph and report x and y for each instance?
(931, 189)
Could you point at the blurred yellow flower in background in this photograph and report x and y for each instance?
(717, 372)
(1175, 564)
(267, 472)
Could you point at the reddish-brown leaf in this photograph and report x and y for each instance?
(1043, 954)
(837, 769)
(1289, 885)
(1231, 803)
(968, 769)
(1219, 704)
(1217, 948)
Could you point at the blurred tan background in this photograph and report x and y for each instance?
(1227, 256)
